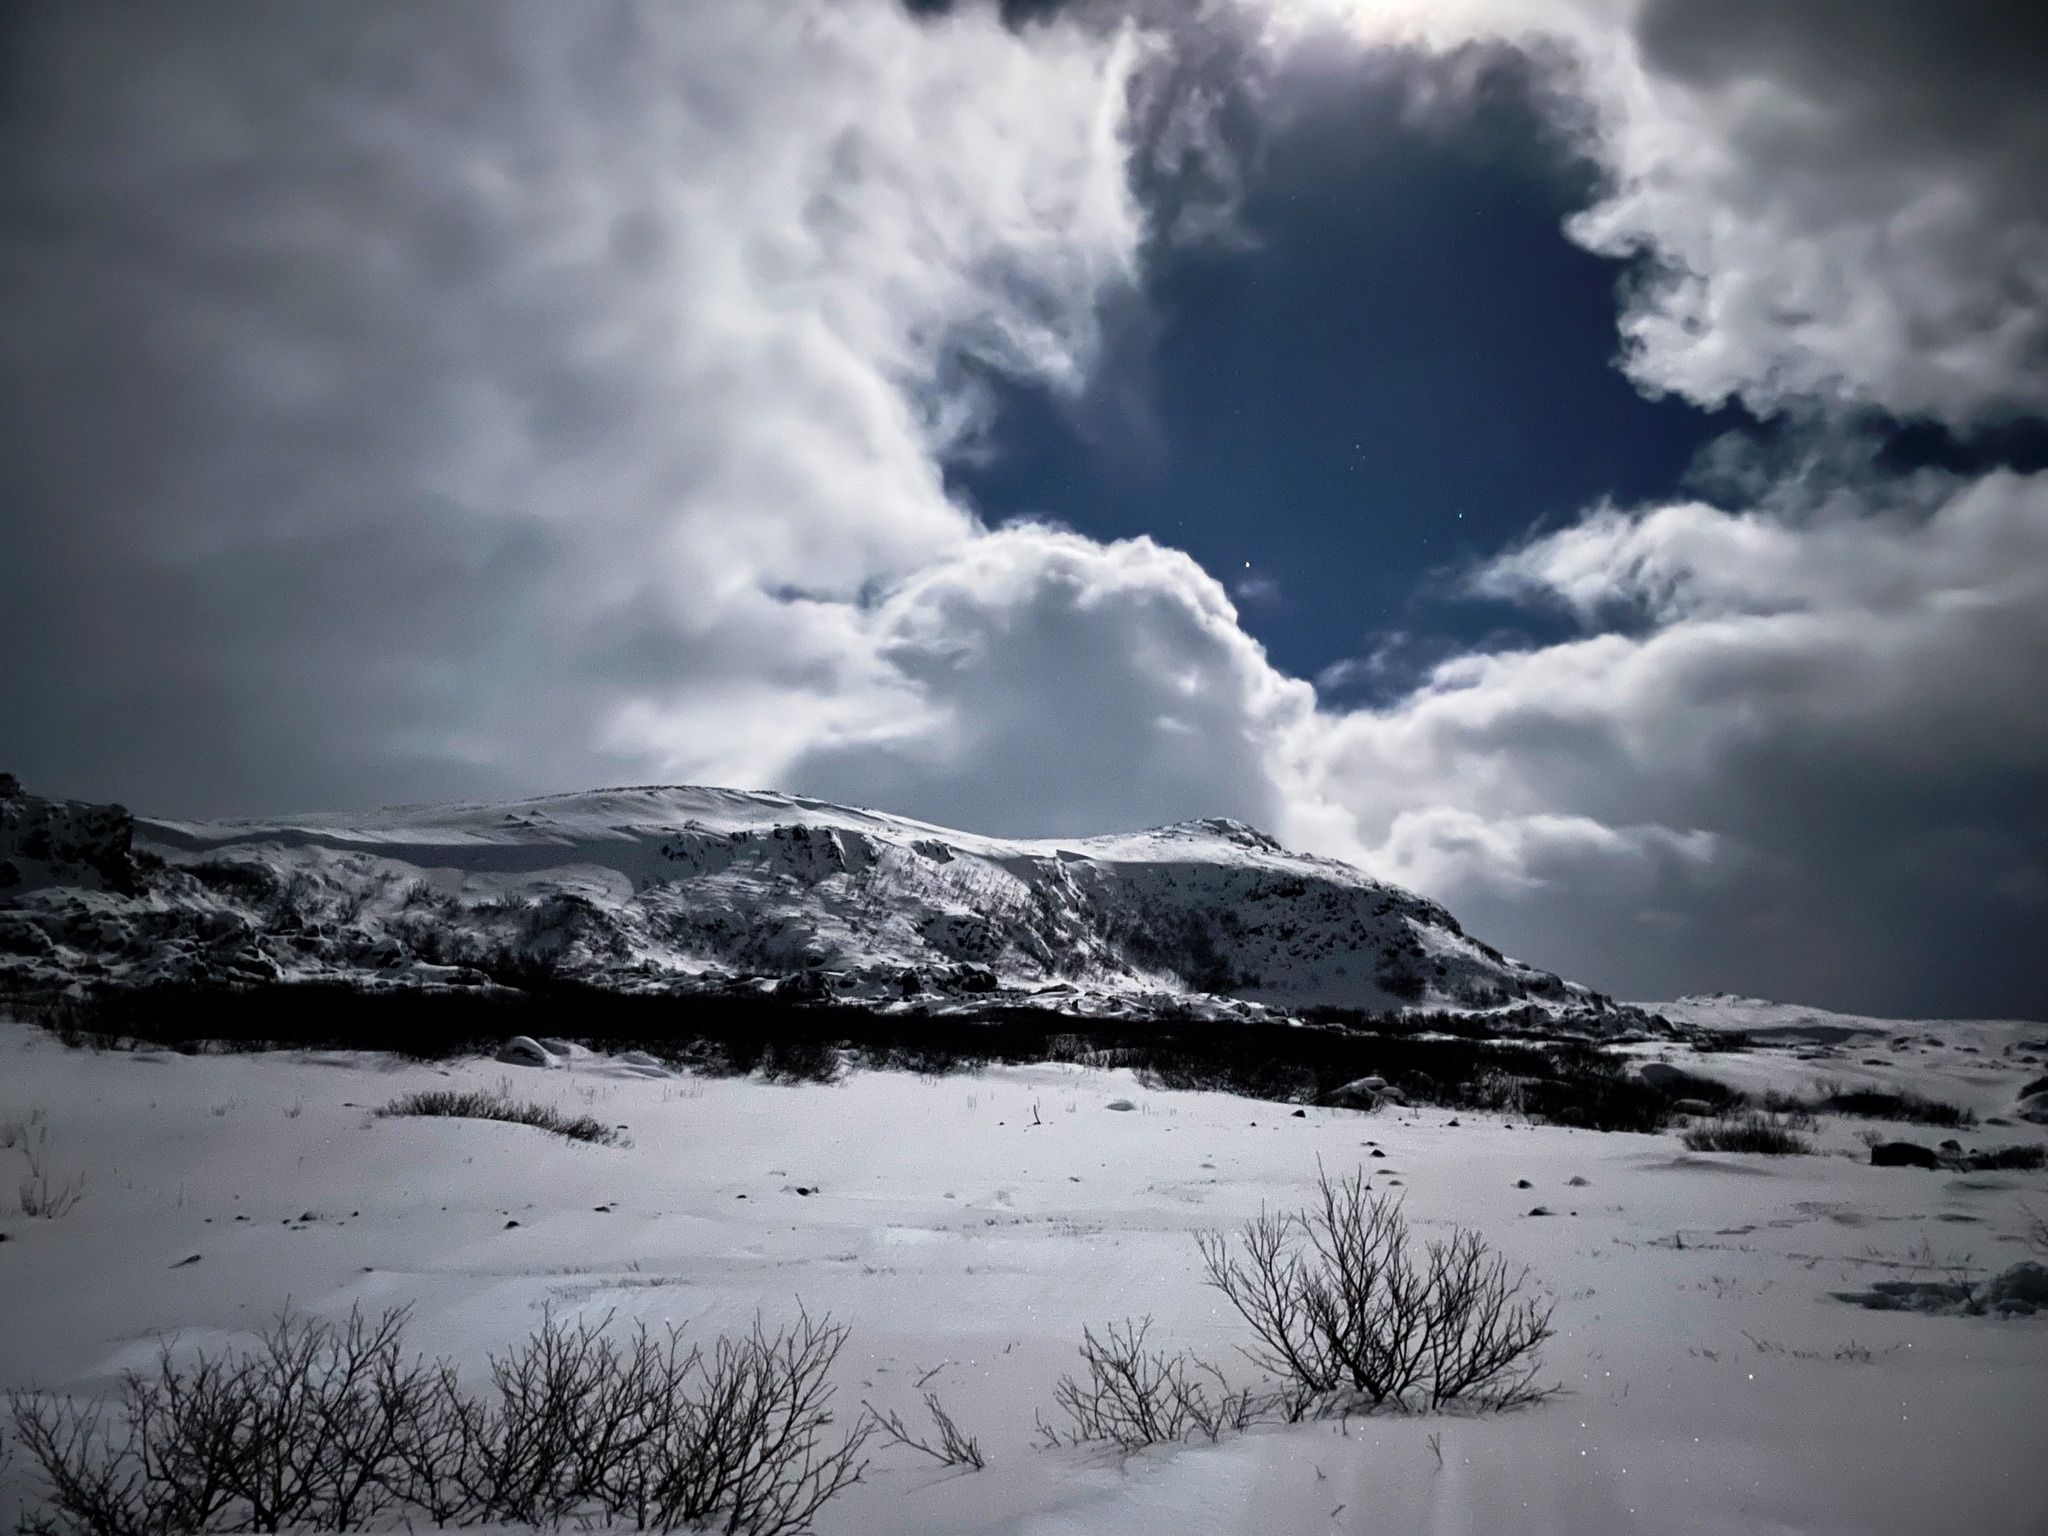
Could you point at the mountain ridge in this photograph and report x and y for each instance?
(684, 888)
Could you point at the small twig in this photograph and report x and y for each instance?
(955, 1449)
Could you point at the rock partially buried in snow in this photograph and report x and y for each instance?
(1359, 1093)
(640, 1064)
(2019, 1291)
(2034, 1108)
(1903, 1154)
(2022, 1289)
(525, 1051)
(1120, 1104)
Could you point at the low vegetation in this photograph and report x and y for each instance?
(1752, 1132)
(953, 1447)
(1449, 1063)
(1880, 1104)
(474, 1104)
(325, 1426)
(1132, 1396)
(39, 1194)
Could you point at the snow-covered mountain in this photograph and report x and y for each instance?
(680, 888)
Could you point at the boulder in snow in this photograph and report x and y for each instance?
(525, 1051)
(2022, 1289)
(1359, 1093)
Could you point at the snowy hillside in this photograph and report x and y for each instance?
(680, 888)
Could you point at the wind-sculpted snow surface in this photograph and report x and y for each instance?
(680, 888)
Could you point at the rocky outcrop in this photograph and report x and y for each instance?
(677, 888)
(63, 843)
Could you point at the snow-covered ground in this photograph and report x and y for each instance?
(968, 1227)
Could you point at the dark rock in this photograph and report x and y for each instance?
(2022, 1289)
(1663, 1076)
(1903, 1154)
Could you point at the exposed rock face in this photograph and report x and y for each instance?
(682, 888)
(62, 842)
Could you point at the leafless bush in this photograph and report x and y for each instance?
(329, 1426)
(298, 1431)
(955, 1448)
(1348, 1309)
(38, 1196)
(1135, 1397)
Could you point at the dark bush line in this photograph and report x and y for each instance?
(738, 1033)
(1877, 1104)
(473, 1104)
(1750, 1132)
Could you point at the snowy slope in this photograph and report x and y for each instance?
(678, 887)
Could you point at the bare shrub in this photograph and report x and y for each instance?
(1135, 1397)
(475, 1104)
(1747, 1133)
(329, 1426)
(955, 1448)
(749, 1448)
(38, 1197)
(1349, 1309)
(298, 1431)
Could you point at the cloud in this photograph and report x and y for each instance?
(400, 400)
(512, 396)
(1839, 202)
(1824, 738)
(1066, 686)
(1832, 203)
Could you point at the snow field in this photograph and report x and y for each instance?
(967, 1227)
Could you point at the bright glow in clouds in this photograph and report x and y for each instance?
(501, 397)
